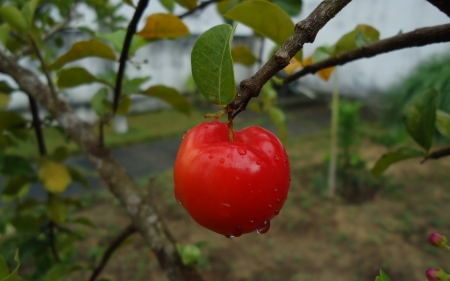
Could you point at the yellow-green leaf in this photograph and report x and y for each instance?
(129, 2)
(83, 49)
(244, 55)
(443, 123)
(392, 157)
(54, 176)
(265, 18)
(4, 101)
(189, 4)
(168, 4)
(278, 117)
(28, 11)
(116, 39)
(76, 76)
(171, 96)
(163, 26)
(361, 35)
(56, 209)
(4, 33)
(14, 17)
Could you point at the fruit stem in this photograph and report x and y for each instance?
(230, 126)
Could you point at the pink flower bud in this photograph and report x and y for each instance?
(437, 240)
(436, 274)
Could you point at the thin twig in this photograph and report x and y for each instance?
(43, 65)
(202, 6)
(125, 50)
(419, 37)
(112, 247)
(437, 154)
(52, 241)
(305, 32)
(37, 126)
(442, 5)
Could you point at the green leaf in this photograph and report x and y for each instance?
(76, 76)
(190, 254)
(60, 154)
(244, 55)
(28, 11)
(117, 37)
(83, 49)
(5, 88)
(212, 65)
(292, 7)
(78, 177)
(14, 276)
(322, 53)
(168, 4)
(4, 33)
(56, 209)
(361, 35)
(171, 96)
(419, 117)
(393, 157)
(4, 101)
(4, 270)
(278, 117)
(265, 18)
(129, 2)
(11, 120)
(25, 223)
(133, 86)
(14, 17)
(98, 102)
(163, 26)
(124, 105)
(383, 276)
(58, 272)
(188, 4)
(84, 221)
(15, 184)
(15, 166)
(443, 123)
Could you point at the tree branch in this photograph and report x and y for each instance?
(437, 154)
(112, 247)
(52, 242)
(131, 30)
(202, 6)
(442, 5)
(146, 220)
(419, 37)
(305, 32)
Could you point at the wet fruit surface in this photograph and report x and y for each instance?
(231, 188)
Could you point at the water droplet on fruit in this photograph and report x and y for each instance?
(263, 228)
(225, 209)
(275, 190)
(258, 163)
(278, 200)
(237, 178)
(179, 202)
(238, 231)
(209, 150)
(276, 212)
(251, 223)
(242, 151)
(228, 155)
(270, 206)
(210, 156)
(276, 158)
(222, 160)
(229, 236)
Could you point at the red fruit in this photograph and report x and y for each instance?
(235, 187)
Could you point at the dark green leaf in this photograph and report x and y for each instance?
(14, 17)
(419, 117)
(60, 154)
(292, 7)
(393, 157)
(15, 166)
(124, 105)
(171, 96)
(4, 101)
(15, 184)
(189, 4)
(78, 177)
(361, 35)
(5, 88)
(85, 221)
(56, 209)
(4, 33)
(14, 276)
(133, 86)
(4, 270)
(10, 120)
(27, 204)
(98, 102)
(25, 223)
(168, 4)
(116, 39)
(264, 18)
(443, 123)
(58, 272)
(83, 49)
(244, 55)
(212, 65)
(384, 276)
(76, 76)
(28, 11)
(129, 2)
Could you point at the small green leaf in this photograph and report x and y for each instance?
(393, 157)
(15, 184)
(4, 270)
(76, 76)
(5, 88)
(129, 2)
(265, 18)
(28, 11)
(419, 117)
(14, 276)
(60, 154)
(84, 221)
(11, 120)
(4, 101)
(322, 53)
(171, 96)
(384, 276)
(98, 102)
(163, 26)
(292, 7)
(116, 39)
(58, 272)
(25, 223)
(279, 119)
(78, 177)
(16, 166)
(168, 4)
(83, 49)
(14, 17)
(133, 86)
(244, 55)
(56, 209)
(361, 35)
(124, 105)
(443, 123)
(212, 65)
(4, 33)
(189, 4)
(190, 254)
